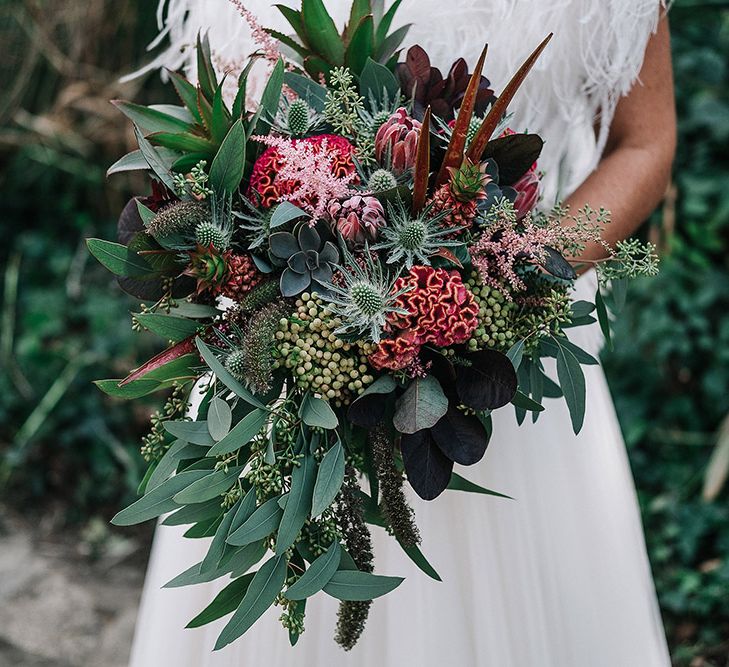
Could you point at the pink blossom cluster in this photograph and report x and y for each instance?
(309, 171)
(270, 49)
(497, 253)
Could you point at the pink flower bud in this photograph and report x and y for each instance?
(397, 139)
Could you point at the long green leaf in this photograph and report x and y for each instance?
(317, 575)
(226, 170)
(150, 120)
(224, 376)
(459, 483)
(187, 93)
(270, 99)
(572, 382)
(360, 586)
(321, 32)
(119, 259)
(298, 505)
(361, 47)
(158, 500)
(211, 486)
(154, 159)
(260, 524)
(261, 594)
(242, 433)
(182, 141)
(328, 480)
(167, 326)
(225, 602)
(218, 545)
(133, 161)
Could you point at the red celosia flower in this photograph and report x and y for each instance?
(441, 311)
(270, 191)
(398, 139)
(396, 353)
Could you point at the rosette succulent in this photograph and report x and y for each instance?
(309, 260)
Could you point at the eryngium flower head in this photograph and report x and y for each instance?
(363, 298)
(412, 239)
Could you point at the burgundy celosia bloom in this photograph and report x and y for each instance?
(441, 311)
(271, 190)
(396, 353)
(357, 219)
(398, 139)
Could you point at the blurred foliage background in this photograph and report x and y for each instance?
(70, 454)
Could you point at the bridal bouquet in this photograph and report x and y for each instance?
(351, 277)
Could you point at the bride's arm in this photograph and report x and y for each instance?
(635, 170)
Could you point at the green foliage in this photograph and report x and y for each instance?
(670, 367)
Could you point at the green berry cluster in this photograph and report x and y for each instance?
(332, 368)
(157, 441)
(495, 317)
(542, 314)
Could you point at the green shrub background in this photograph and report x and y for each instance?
(71, 453)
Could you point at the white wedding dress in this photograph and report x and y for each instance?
(558, 577)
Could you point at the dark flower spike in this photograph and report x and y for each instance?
(457, 144)
(478, 145)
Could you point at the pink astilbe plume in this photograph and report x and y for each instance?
(308, 170)
(508, 242)
(261, 37)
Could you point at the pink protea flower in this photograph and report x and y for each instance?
(398, 139)
(357, 219)
(527, 193)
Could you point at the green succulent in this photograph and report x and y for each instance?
(309, 260)
(320, 47)
(413, 238)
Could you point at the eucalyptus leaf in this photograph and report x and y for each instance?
(264, 521)
(421, 406)
(224, 376)
(242, 433)
(217, 546)
(220, 417)
(317, 575)
(329, 479)
(119, 259)
(159, 500)
(261, 594)
(214, 484)
(572, 383)
(360, 586)
(224, 603)
(298, 505)
(195, 432)
(458, 483)
(316, 412)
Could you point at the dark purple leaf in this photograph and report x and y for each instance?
(515, 154)
(489, 383)
(428, 469)
(462, 438)
(130, 222)
(555, 264)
